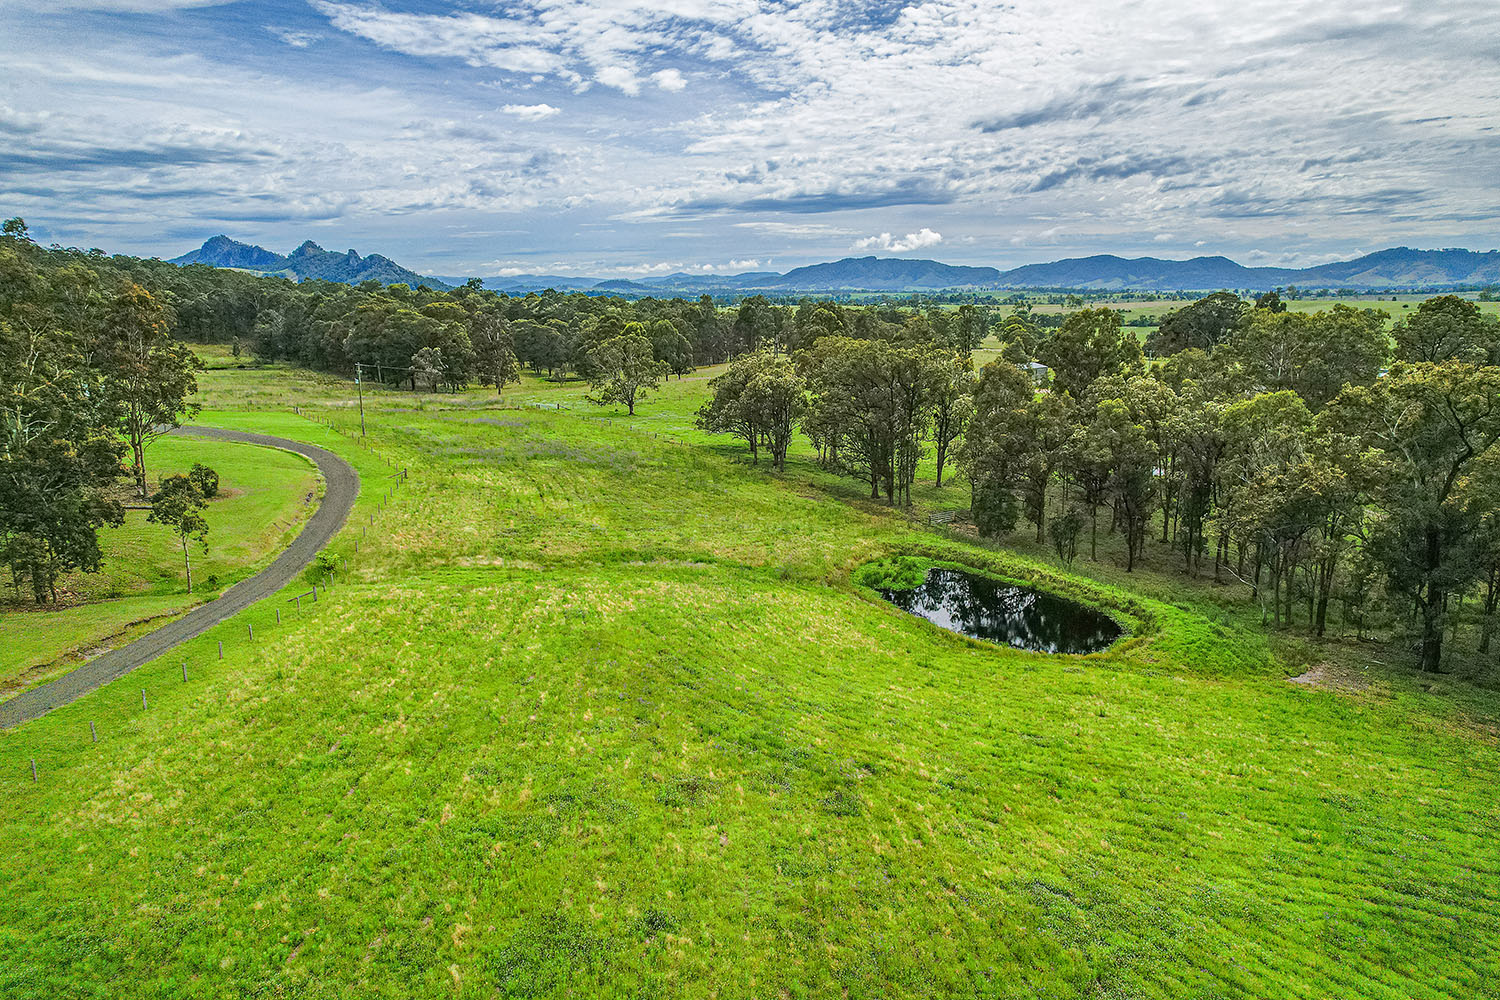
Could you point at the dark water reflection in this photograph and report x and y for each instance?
(998, 612)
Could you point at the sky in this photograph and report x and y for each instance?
(627, 137)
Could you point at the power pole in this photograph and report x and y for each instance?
(359, 385)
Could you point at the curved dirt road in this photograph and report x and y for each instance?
(341, 486)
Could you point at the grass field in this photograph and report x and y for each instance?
(265, 496)
(600, 710)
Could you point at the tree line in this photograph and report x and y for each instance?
(89, 375)
(1313, 456)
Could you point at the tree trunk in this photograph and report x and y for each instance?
(1325, 584)
(1491, 596)
(186, 562)
(138, 455)
(1432, 643)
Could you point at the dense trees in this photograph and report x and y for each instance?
(1204, 324)
(1090, 345)
(59, 417)
(1421, 429)
(1278, 441)
(88, 370)
(871, 406)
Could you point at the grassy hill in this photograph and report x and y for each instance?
(599, 710)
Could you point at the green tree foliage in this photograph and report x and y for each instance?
(624, 370)
(872, 405)
(756, 324)
(759, 399)
(1448, 328)
(204, 480)
(178, 504)
(1204, 324)
(148, 376)
(428, 368)
(1312, 354)
(1270, 302)
(952, 405)
(494, 351)
(1420, 431)
(58, 448)
(999, 445)
(671, 347)
(1089, 345)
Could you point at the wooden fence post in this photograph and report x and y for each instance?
(93, 732)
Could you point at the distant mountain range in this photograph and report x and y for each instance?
(1397, 268)
(308, 262)
(1387, 270)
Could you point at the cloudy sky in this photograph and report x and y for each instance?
(627, 136)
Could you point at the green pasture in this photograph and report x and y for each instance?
(598, 709)
(265, 496)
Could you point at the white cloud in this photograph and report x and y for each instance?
(796, 230)
(911, 241)
(530, 112)
(808, 124)
(619, 77)
(296, 39)
(669, 79)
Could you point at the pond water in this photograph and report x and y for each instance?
(998, 612)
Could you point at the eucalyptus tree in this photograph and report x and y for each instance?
(1421, 429)
(952, 385)
(494, 352)
(1268, 497)
(671, 347)
(998, 448)
(759, 399)
(148, 377)
(1313, 354)
(59, 450)
(1204, 324)
(178, 504)
(1090, 345)
(624, 370)
(1448, 328)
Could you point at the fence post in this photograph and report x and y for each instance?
(184, 671)
(93, 732)
(278, 616)
(33, 770)
(221, 649)
(143, 699)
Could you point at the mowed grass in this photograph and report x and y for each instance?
(265, 496)
(598, 710)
